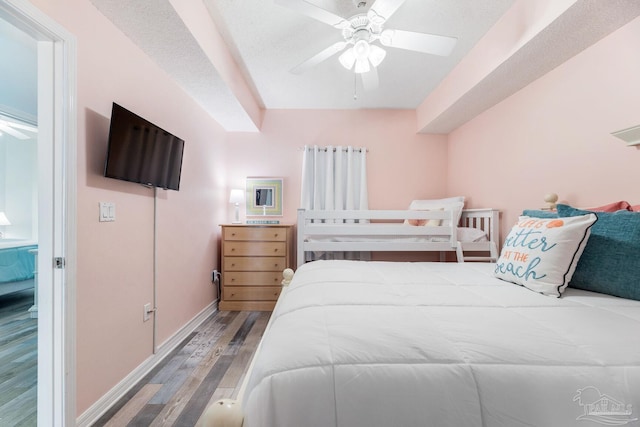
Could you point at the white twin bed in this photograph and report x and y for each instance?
(475, 231)
(380, 344)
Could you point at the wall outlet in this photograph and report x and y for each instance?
(147, 310)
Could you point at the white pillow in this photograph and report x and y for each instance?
(450, 203)
(435, 203)
(542, 253)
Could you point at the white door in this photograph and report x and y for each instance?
(56, 210)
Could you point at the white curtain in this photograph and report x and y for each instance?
(335, 178)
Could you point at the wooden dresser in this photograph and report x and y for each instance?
(253, 257)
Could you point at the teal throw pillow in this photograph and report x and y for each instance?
(539, 213)
(610, 263)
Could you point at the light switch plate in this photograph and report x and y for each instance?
(146, 312)
(107, 212)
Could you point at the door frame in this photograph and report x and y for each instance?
(57, 122)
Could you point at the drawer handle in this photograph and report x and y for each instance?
(233, 265)
(233, 279)
(275, 250)
(233, 234)
(275, 235)
(233, 249)
(275, 294)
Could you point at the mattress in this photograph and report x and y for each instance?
(443, 344)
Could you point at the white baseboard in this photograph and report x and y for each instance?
(95, 411)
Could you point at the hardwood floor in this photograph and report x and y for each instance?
(207, 366)
(18, 360)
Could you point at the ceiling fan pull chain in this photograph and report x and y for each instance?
(355, 87)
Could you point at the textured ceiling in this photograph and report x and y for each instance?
(580, 26)
(157, 29)
(270, 40)
(264, 41)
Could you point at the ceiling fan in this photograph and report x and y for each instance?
(14, 129)
(360, 34)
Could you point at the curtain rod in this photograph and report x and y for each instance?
(357, 150)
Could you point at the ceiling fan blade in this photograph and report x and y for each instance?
(12, 132)
(315, 12)
(370, 79)
(386, 8)
(319, 57)
(28, 128)
(419, 42)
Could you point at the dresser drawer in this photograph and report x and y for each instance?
(251, 293)
(252, 278)
(255, 234)
(253, 258)
(236, 248)
(264, 263)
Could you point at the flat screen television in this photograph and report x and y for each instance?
(139, 151)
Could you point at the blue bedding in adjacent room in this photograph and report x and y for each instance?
(17, 263)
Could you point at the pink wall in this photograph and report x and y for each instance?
(401, 164)
(554, 136)
(115, 260)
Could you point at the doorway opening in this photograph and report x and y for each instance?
(54, 217)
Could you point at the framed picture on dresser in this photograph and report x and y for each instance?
(264, 196)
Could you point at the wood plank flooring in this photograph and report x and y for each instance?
(18, 360)
(209, 365)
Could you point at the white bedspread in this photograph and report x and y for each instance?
(441, 344)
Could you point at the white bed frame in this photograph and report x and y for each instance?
(317, 230)
(228, 412)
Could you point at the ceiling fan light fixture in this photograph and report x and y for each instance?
(347, 59)
(362, 66)
(376, 55)
(362, 49)
(360, 32)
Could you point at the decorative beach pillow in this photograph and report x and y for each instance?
(541, 253)
(610, 263)
(450, 203)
